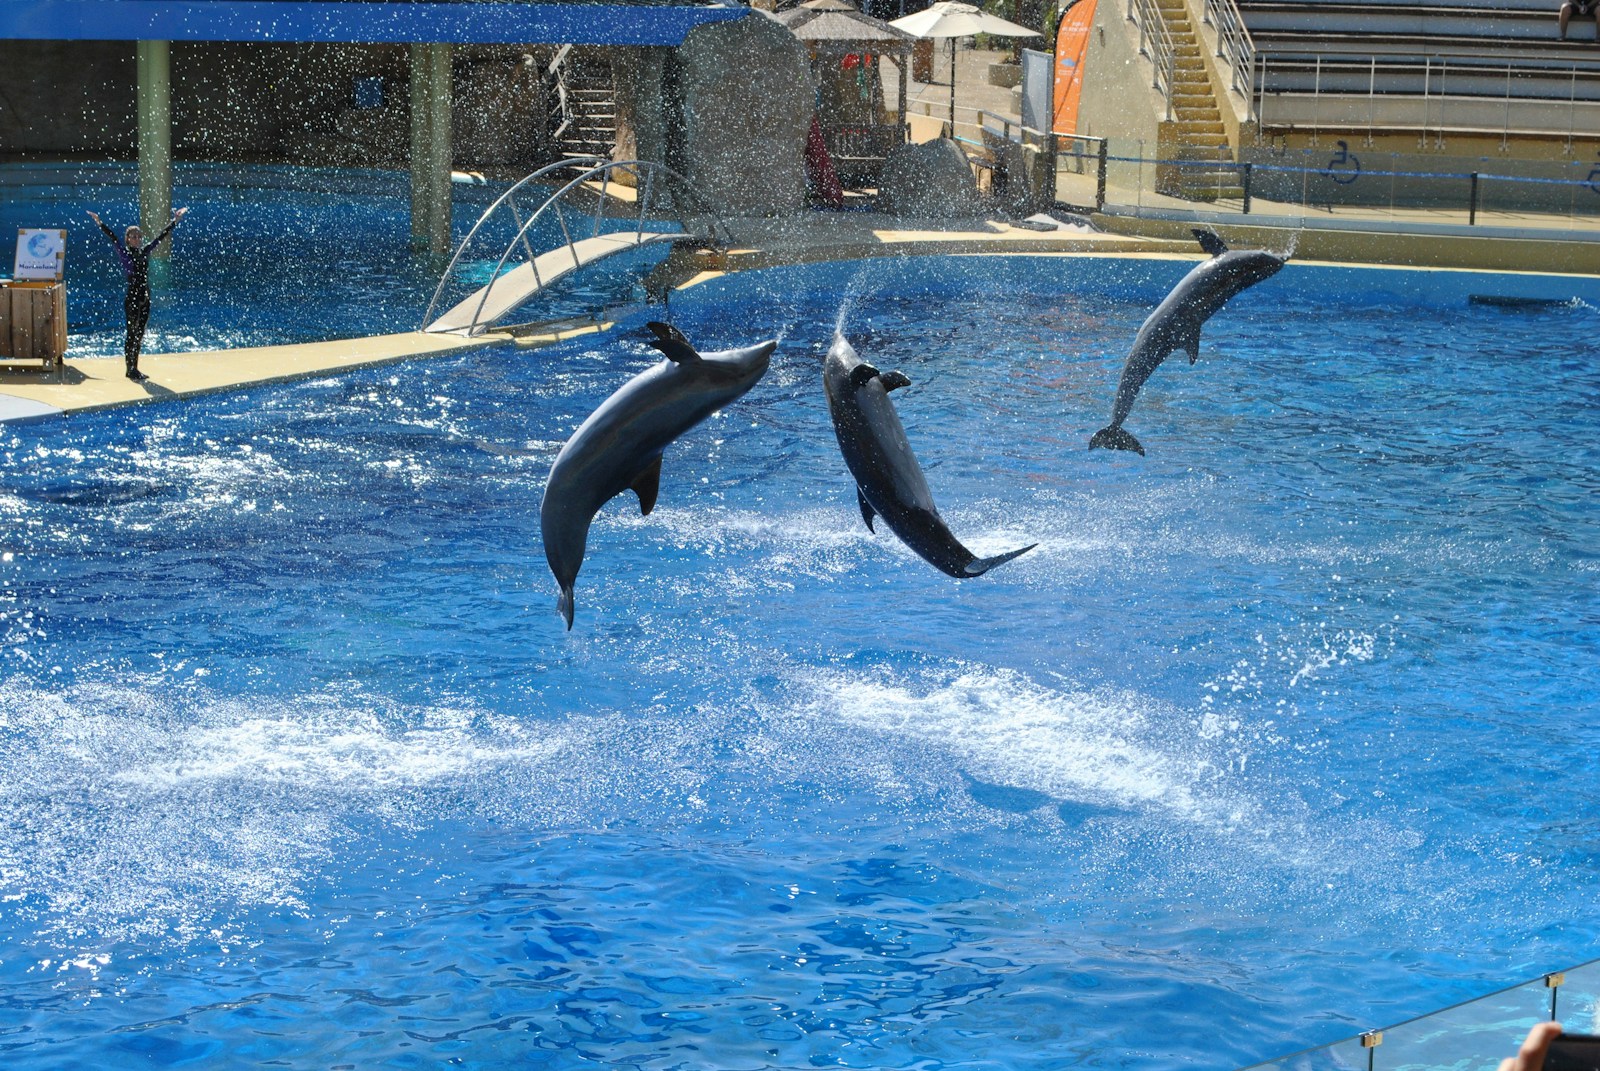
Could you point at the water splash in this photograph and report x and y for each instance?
(854, 292)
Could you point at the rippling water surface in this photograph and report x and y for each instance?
(1284, 731)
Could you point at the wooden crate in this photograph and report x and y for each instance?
(33, 322)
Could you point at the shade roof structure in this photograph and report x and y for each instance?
(835, 22)
(576, 22)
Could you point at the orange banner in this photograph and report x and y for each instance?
(1072, 45)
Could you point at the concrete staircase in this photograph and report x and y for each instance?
(1196, 133)
(585, 119)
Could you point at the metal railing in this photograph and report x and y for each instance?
(1155, 41)
(556, 73)
(1235, 47)
(1338, 186)
(1485, 95)
(645, 174)
(859, 150)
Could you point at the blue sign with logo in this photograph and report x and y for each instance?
(41, 253)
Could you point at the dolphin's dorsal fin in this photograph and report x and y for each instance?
(670, 341)
(862, 374)
(894, 380)
(867, 512)
(647, 485)
(1213, 245)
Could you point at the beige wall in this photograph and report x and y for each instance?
(1118, 101)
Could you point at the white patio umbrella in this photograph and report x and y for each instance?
(952, 19)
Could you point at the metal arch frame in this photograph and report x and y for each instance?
(509, 197)
(593, 166)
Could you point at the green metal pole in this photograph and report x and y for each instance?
(420, 116)
(155, 138)
(440, 156)
(430, 147)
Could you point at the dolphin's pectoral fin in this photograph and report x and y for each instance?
(1210, 242)
(647, 485)
(867, 512)
(862, 374)
(670, 341)
(894, 380)
(1188, 339)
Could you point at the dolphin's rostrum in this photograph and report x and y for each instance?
(889, 481)
(1175, 325)
(620, 445)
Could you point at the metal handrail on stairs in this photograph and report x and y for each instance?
(1234, 47)
(1155, 41)
(556, 72)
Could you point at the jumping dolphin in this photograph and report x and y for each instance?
(1175, 325)
(889, 482)
(620, 445)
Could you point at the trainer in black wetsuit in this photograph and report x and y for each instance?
(135, 257)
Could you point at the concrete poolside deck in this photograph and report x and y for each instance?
(86, 384)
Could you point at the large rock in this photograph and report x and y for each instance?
(747, 104)
(929, 181)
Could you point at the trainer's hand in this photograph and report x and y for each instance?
(1531, 1056)
(94, 217)
(180, 213)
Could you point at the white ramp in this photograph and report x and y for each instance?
(486, 306)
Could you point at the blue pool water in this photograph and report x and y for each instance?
(1284, 731)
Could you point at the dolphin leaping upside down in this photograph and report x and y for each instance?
(1175, 325)
(620, 446)
(889, 481)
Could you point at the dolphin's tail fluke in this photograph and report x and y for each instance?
(1116, 439)
(979, 566)
(564, 603)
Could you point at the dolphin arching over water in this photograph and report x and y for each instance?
(620, 445)
(1176, 322)
(889, 481)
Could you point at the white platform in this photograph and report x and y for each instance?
(487, 305)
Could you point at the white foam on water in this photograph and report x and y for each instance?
(1001, 727)
(804, 542)
(140, 809)
(1199, 804)
(149, 809)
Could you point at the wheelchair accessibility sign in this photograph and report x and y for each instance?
(1345, 166)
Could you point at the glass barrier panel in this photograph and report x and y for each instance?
(1077, 171)
(1347, 1055)
(1124, 167)
(1584, 191)
(1560, 195)
(1474, 1036)
(1578, 1000)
